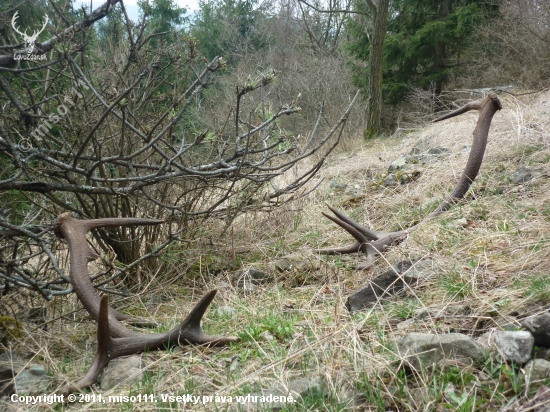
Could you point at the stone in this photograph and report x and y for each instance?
(537, 370)
(515, 346)
(10, 365)
(526, 309)
(298, 261)
(125, 370)
(441, 312)
(234, 364)
(521, 175)
(418, 155)
(390, 180)
(541, 353)
(406, 324)
(410, 176)
(284, 264)
(32, 381)
(420, 396)
(512, 346)
(391, 282)
(251, 275)
(268, 336)
(383, 286)
(426, 349)
(466, 149)
(398, 164)
(338, 186)
(422, 145)
(438, 151)
(539, 326)
(297, 388)
(458, 223)
(421, 270)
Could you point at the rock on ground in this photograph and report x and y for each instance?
(539, 326)
(18, 376)
(10, 366)
(537, 370)
(391, 282)
(513, 346)
(32, 381)
(127, 370)
(426, 349)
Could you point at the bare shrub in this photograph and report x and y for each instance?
(305, 65)
(119, 131)
(513, 49)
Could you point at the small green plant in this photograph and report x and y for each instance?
(251, 333)
(281, 328)
(455, 286)
(537, 287)
(373, 391)
(403, 309)
(317, 400)
(463, 403)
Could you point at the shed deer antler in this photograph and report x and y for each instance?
(373, 243)
(114, 339)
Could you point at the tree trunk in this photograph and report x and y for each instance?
(376, 63)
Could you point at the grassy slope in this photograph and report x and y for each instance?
(296, 325)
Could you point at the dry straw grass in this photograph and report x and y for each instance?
(296, 324)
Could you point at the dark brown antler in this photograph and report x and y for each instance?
(373, 243)
(114, 339)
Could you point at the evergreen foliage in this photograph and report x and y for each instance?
(424, 44)
(226, 27)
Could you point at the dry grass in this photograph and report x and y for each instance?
(296, 325)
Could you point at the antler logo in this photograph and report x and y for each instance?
(29, 40)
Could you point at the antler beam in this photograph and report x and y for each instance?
(114, 339)
(371, 242)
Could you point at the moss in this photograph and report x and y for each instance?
(370, 134)
(11, 326)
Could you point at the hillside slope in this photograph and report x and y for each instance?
(489, 260)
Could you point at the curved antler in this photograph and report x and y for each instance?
(372, 242)
(36, 33)
(122, 341)
(13, 19)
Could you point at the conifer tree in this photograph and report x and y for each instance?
(424, 43)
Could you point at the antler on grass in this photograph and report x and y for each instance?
(372, 242)
(114, 339)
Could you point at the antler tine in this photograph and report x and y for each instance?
(122, 341)
(102, 356)
(369, 234)
(360, 237)
(83, 251)
(487, 108)
(466, 108)
(379, 246)
(45, 23)
(355, 247)
(191, 326)
(382, 240)
(37, 32)
(13, 20)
